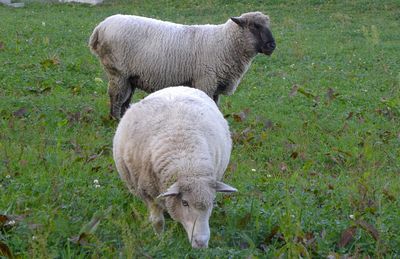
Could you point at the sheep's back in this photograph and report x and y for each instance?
(170, 125)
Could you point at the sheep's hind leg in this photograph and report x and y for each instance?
(120, 92)
(156, 217)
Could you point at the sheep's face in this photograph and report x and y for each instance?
(257, 26)
(191, 204)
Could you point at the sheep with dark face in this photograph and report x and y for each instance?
(172, 149)
(149, 54)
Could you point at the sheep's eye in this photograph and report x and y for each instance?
(257, 26)
(185, 203)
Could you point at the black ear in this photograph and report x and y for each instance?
(239, 21)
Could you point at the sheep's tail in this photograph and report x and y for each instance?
(94, 40)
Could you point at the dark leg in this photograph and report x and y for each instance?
(216, 99)
(120, 94)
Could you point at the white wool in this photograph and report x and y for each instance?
(149, 54)
(175, 140)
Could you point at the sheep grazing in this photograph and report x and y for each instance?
(149, 54)
(171, 149)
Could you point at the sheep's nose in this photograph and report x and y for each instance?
(271, 45)
(200, 242)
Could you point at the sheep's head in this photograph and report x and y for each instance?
(258, 26)
(191, 204)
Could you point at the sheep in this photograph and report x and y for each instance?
(171, 149)
(149, 54)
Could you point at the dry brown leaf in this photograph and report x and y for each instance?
(244, 221)
(293, 91)
(347, 235)
(369, 228)
(283, 167)
(350, 115)
(305, 93)
(268, 124)
(274, 231)
(388, 195)
(20, 112)
(330, 93)
(241, 116)
(3, 220)
(5, 251)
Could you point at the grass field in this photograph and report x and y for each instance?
(316, 130)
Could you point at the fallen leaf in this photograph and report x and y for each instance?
(369, 228)
(238, 117)
(33, 226)
(388, 195)
(243, 222)
(271, 235)
(293, 91)
(347, 235)
(79, 239)
(305, 93)
(3, 220)
(268, 124)
(330, 93)
(23, 162)
(232, 167)
(342, 151)
(241, 116)
(244, 245)
(50, 62)
(20, 112)
(333, 255)
(89, 228)
(94, 156)
(309, 238)
(5, 251)
(350, 115)
(283, 167)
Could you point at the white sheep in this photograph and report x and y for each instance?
(172, 149)
(149, 54)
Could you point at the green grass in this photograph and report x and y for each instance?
(317, 152)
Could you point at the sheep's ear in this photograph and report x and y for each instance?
(172, 190)
(239, 21)
(223, 187)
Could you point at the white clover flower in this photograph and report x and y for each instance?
(33, 237)
(95, 181)
(8, 176)
(269, 176)
(43, 24)
(352, 216)
(97, 186)
(253, 170)
(11, 223)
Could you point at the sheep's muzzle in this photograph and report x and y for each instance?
(268, 48)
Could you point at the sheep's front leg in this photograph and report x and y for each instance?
(216, 99)
(156, 217)
(120, 93)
